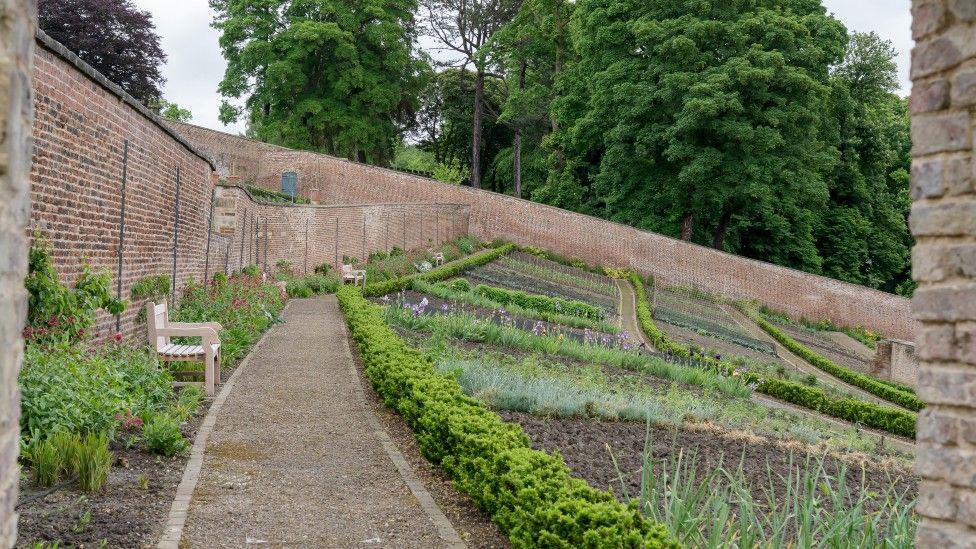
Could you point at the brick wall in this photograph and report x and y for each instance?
(17, 20)
(943, 221)
(81, 127)
(306, 236)
(497, 216)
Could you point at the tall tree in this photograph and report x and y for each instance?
(114, 37)
(863, 235)
(463, 28)
(532, 50)
(445, 118)
(327, 75)
(700, 119)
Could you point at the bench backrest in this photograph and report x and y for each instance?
(347, 269)
(157, 317)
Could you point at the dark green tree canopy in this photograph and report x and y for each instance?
(327, 75)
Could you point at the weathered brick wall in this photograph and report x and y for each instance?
(943, 221)
(497, 216)
(80, 128)
(17, 20)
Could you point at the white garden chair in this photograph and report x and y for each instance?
(353, 275)
(438, 258)
(208, 352)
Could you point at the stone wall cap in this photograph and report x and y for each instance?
(69, 56)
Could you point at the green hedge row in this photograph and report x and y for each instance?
(857, 379)
(528, 493)
(443, 272)
(542, 303)
(869, 414)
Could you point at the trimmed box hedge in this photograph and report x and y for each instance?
(890, 419)
(528, 493)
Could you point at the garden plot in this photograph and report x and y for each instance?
(822, 344)
(694, 312)
(505, 274)
(582, 395)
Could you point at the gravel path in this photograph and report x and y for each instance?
(296, 458)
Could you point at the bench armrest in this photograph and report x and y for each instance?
(206, 333)
(213, 325)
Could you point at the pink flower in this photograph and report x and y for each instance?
(117, 337)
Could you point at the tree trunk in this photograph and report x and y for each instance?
(518, 139)
(479, 96)
(723, 226)
(687, 224)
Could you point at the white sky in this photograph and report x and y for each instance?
(194, 66)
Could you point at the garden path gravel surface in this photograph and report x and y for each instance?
(297, 459)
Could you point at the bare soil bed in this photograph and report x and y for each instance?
(583, 445)
(121, 514)
(715, 345)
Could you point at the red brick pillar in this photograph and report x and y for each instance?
(943, 221)
(16, 50)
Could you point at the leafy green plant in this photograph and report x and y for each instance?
(261, 194)
(56, 313)
(447, 291)
(163, 436)
(323, 284)
(251, 270)
(94, 461)
(81, 388)
(529, 494)
(543, 303)
(187, 403)
(298, 288)
(322, 269)
(150, 286)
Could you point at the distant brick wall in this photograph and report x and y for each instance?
(17, 20)
(308, 236)
(943, 220)
(497, 216)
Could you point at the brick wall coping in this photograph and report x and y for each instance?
(69, 56)
(328, 206)
(473, 191)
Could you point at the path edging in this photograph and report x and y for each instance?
(176, 520)
(445, 528)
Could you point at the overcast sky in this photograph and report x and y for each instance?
(195, 66)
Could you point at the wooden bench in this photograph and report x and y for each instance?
(438, 258)
(353, 275)
(208, 352)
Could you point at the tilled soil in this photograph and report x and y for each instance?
(495, 274)
(584, 443)
(122, 514)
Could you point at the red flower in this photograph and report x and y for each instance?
(53, 321)
(28, 333)
(117, 337)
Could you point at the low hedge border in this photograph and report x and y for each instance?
(554, 305)
(875, 387)
(440, 273)
(890, 419)
(528, 493)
